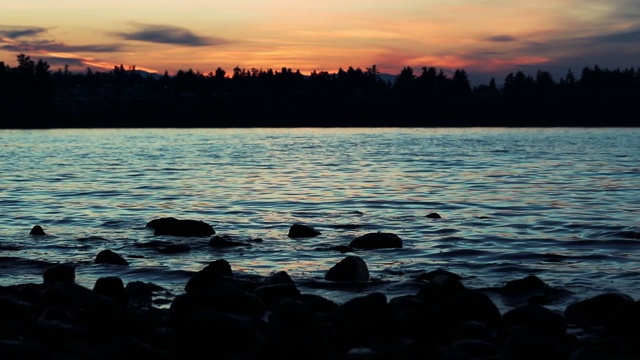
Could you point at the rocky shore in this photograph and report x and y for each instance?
(224, 316)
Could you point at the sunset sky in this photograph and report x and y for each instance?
(484, 37)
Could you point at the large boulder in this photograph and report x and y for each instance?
(176, 227)
(351, 268)
(378, 240)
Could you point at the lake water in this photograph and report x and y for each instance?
(562, 204)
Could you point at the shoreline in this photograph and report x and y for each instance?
(240, 317)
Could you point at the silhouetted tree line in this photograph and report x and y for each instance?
(34, 96)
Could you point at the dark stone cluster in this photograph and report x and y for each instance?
(225, 316)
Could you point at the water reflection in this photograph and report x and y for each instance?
(505, 195)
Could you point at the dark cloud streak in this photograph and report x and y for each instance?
(25, 39)
(167, 34)
(622, 37)
(14, 32)
(501, 38)
(50, 45)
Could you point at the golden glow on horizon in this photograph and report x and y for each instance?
(492, 35)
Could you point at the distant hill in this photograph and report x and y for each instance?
(145, 74)
(388, 78)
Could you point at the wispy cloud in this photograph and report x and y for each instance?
(51, 45)
(168, 34)
(501, 38)
(36, 41)
(28, 39)
(14, 32)
(632, 36)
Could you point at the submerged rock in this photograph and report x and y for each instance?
(526, 285)
(109, 257)
(175, 227)
(377, 240)
(37, 231)
(223, 242)
(302, 231)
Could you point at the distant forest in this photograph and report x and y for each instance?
(34, 96)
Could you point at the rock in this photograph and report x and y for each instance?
(364, 319)
(449, 306)
(318, 304)
(442, 286)
(377, 240)
(535, 318)
(279, 277)
(474, 305)
(439, 273)
(222, 298)
(410, 316)
(522, 343)
(218, 334)
(113, 288)
(525, 286)
(208, 277)
(218, 268)
(608, 309)
(139, 292)
(56, 323)
(110, 257)
(60, 273)
(37, 231)
(270, 294)
(532, 290)
(293, 333)
(473, 330)
(351, 268)
(474, 349)
(175, 227)
(302, 231)
(74, 296)
(342, 248)
(433, 216)
(228, 318)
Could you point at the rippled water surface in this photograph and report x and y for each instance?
(563, 204)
